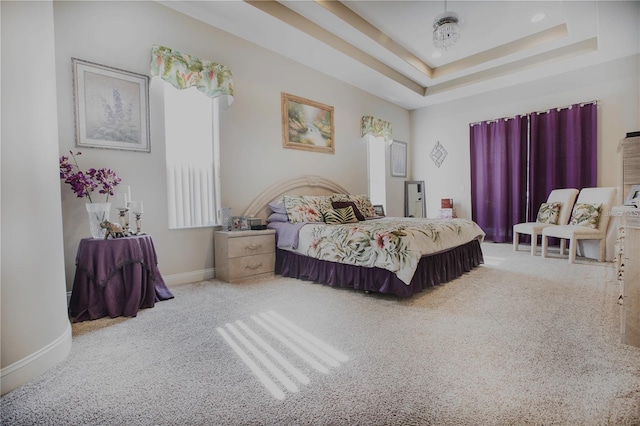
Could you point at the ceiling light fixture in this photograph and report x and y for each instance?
(538, 17)
(445, 29)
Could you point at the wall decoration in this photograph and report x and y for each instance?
(379, 209)
(307, 125)
(398, 159)
(111, 107)
(633, 196)
(438, 154)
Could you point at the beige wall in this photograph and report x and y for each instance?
(36, 333)
(614, 85)
(120, 35)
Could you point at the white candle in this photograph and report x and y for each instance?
(128, 193)
(120, 200)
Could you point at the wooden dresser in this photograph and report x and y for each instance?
(243, 255)
(629, 274)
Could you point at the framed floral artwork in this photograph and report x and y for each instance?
(111, 107)
(307, 125)
(399, 159)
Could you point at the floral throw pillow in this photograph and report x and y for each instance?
(306, 208)
(549, 213)
(362, 202)
(340, 216)
(586, 215)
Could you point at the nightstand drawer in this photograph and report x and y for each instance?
(249, 246)
(246, 266)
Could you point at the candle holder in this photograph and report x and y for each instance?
(137, 210)
(124, 220)
(138, 224)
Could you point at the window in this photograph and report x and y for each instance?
(192, 156)
(377, 170)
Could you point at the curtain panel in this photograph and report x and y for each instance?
(499, 176)
(564, 152)
(184, 71)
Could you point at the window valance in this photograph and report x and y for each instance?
(377, 128)
(183, 71)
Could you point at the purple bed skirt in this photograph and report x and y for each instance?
(432, 270)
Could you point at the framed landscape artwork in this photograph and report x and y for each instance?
(399, 159)
(111, 107)
(307, 125)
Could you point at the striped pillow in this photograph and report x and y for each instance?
(339, 216)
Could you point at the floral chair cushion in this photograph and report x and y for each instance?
(586, 215)
(549, 213)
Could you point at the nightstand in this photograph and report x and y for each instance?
(242, 255)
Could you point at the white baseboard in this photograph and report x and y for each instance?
(190, 277)
(29, 367)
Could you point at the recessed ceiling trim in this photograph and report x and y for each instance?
(525, 43)
(303, 24)
(365, 27)
(582, 47)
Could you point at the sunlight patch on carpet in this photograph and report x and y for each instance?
(275, 369)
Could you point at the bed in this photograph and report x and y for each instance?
(399, 256)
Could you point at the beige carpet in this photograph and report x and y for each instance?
(519, 340)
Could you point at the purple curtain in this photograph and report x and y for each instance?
(499, 176)
(564, 146)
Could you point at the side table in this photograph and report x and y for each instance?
(116, 277)
(241, 255)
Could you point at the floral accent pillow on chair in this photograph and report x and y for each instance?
(306, 208)
(586, 215)
(549, 213)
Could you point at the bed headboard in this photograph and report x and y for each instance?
(301, 185)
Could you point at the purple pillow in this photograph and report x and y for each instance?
(278, 217)
(278, 207)
(344, 204)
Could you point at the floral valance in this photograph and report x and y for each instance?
(377, 128)
(183, 71)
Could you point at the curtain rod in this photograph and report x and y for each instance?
(534, 112)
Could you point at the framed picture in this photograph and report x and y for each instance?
(399, 159)
(379, 209)
(239, 223)
(307, 125)
(634, 192)
(111, 107)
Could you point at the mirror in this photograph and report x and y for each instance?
(414, 202)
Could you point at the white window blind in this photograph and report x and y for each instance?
(192, 150)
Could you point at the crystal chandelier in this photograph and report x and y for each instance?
(445, 29)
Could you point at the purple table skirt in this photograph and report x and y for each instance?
(116, 277)
(432, 270)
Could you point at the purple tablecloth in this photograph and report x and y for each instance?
(116, 277)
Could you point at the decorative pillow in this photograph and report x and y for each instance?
(586, 215)
(549, 213)
(343, 204)
(340, 216)
(362, 202)
(278, 217)
(277, 207)
(306, 208)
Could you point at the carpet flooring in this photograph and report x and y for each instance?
(519, 340)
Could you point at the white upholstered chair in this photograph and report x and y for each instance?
(573, 232)
(565, 196)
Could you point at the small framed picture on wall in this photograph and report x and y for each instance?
(398, 159)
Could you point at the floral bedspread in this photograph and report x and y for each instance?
(395, 244)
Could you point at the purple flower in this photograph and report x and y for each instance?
(83, 184)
